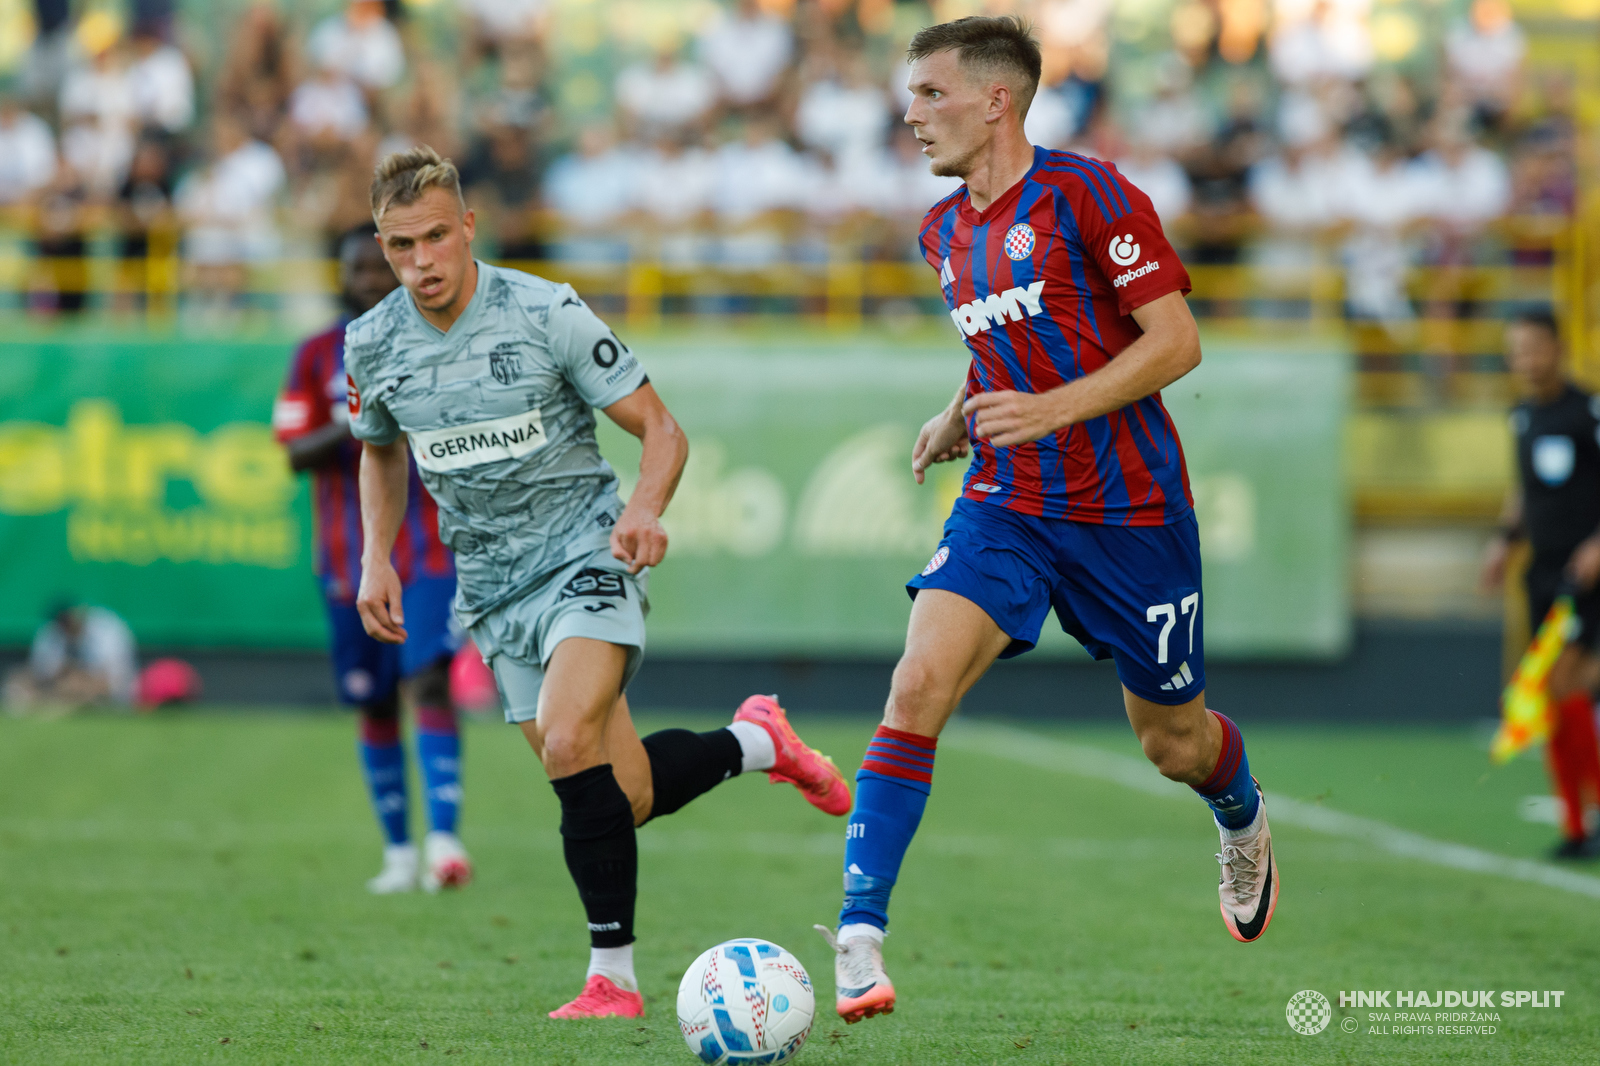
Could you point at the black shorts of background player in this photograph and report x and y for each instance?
(1555, 507)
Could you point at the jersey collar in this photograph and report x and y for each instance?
(1008, 199)
(466, 316)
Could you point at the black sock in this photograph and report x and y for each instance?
(602, 854)
(684, 764)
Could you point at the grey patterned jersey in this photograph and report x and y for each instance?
(499, 413)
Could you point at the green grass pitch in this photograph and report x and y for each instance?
(189, 888)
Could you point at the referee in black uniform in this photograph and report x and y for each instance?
(1556, 509)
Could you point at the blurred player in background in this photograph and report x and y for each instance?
(1556, 509)
(311, 419)
(1056, 271)
(80, 657)
(492, 377)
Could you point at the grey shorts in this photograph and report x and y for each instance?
(593, 597)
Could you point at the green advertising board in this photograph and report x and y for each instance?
(142, 474)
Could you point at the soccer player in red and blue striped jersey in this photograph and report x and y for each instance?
(1069, 297)
(311, 420)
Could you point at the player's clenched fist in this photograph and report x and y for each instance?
(379, 603)
(638, 540)
(943, 439)
(1006, 419)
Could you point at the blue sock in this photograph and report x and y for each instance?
(892, 789)
(1229, 790)
(439, 752)
(384, 761)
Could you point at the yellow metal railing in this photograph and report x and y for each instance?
(844, 289)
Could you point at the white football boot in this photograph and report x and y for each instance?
(1249, 882)
(399, 873)
(447, 865)
(861, 988)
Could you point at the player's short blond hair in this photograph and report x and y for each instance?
(402, 177)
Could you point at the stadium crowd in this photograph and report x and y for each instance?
(764, 131)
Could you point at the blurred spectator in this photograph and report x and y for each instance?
(82, 656)
(226, 209)
(360, 43)
(1544, 174)
(143, 205)
(1382, 198)
(676, 181)
(916, 187)
(1219, 170)
(99, 153)
(1485, 55)
(258, 74)
(27, 152)
(1158, 177)
(97, 89)
(61, 281)
(1051, 121)
(1464, 185)
(50, 55)
(1332, 43)
(845, 111)
(501, 178)
(427, 114)
(1299, 191)
(592, 187)
(159, 82)
(665, 93)
(497, 21)
(1175, 122)
(748, 51)
(329, 108)
(757, 173)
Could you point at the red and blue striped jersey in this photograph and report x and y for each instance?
(1042, 285)
(314, 390)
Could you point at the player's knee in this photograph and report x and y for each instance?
(918, 690)
(380, 721)
(430, 687)
(568, 749)
(1174, 754)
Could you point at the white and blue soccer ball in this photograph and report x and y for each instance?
(746, 1001)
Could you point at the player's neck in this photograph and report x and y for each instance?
(1550, 391)
(1007, 161)
(446, 318)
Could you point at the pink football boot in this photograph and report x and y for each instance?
(602, 999)
(813, 773)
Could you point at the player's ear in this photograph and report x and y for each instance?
(469, 223)
(999, 102)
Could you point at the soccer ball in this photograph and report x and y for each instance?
(746, 1001)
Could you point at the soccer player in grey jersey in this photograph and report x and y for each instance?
(491, 377)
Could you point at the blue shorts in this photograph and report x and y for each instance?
(369, 671)
(1130, 593)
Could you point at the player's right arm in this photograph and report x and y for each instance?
(1498, 551)
(310, 431)
(384, 480)
(943, 438)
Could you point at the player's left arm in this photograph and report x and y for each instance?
(637, 538)
(1169, 349)
(607, 375)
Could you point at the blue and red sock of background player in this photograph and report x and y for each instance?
(892, 789)
(384, 760)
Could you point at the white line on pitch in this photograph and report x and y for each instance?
(1046, 753)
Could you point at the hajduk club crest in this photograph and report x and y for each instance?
(1019, 242)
